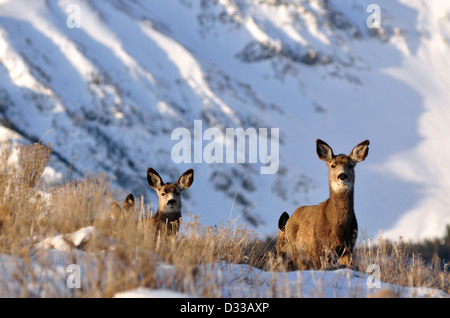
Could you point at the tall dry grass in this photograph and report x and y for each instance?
(127, 253)
(19, 193)
(399, 265)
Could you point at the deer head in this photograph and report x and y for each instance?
(341, 168)
(169, 194)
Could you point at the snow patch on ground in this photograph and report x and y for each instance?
(47, 276)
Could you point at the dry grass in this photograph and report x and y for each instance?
(126, 253)
(399, 265)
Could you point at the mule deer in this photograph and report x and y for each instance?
(116, 212)
(318, 236)
(169, 196)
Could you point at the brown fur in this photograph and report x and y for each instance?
(169, 223)
(282, 246)
(323, 235)
(168, 215)
(282, 241)
(116, 212)
(5, 216)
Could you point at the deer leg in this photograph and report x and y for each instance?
(346, 258)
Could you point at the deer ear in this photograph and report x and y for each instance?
(154, 180)
(114, 210)
(186, 180)
(324, 151)
(282, 221)
(359, 153)
(129, 202)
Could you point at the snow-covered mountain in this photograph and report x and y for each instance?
(108, 82)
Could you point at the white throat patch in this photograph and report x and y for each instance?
(341, 186)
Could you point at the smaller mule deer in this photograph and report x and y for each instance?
(318, 236)
(116, 212)
(169, 206)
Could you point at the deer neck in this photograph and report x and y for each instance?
(165, 212)
(340, 206)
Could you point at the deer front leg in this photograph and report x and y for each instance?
(346, 258)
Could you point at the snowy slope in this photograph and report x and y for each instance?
(424, 165)
(109, 94)
(48, 274)
(243, 281)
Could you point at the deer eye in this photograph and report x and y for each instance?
(163, 193)
(333, 166)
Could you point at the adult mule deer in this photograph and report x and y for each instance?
(169, 195)
(323, 235)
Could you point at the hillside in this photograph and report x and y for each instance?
(108, 93)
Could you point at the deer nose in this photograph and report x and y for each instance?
(342, 176)
(172, 202)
